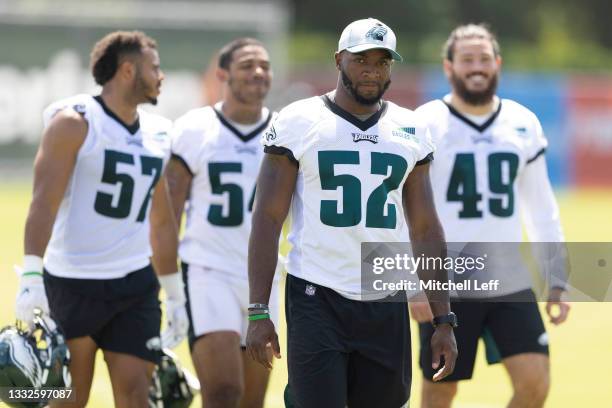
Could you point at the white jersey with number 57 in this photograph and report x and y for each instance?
(349, 186)
(102, 227)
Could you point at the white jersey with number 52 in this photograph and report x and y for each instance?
(349, 186)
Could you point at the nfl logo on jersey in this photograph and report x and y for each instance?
(310, 290)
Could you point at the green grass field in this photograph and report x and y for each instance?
(580, 349)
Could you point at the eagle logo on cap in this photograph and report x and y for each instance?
(377, 33)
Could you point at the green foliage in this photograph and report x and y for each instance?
(534, 34)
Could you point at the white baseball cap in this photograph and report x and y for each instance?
(368, 34)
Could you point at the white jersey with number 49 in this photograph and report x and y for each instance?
(224, 164)
(102, 227)
(489, 180)
(349, 185)
(478, 174)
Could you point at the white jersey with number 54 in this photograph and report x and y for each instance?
(224, 164)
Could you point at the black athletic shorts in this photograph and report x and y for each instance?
(507, 328)
(121, 315)
(345, 352)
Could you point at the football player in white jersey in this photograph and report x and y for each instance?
(216, 153)
(352, 168)
(489, 174)
(100, 215)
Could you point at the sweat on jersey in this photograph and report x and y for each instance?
(489, 180)
(349, 184)
(224, 164)
(102, 226)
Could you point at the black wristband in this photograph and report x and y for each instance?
(450, 319)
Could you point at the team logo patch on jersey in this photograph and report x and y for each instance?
(521, 130)
(478, 138)
(134, 140)
(358, 137)
(270, 134)
(245, 149)
(405, 133)
(80, 108)
(377, 33)
(160, 136)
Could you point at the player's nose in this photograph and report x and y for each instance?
(371, 72)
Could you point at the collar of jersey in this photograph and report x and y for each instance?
(361, 124)
(480, 128)
(247, 137)
(133, 128)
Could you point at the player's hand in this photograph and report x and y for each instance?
(556, 308)
(260, 334)
(419, 308)
(177, 323)
(31, 294)
(443, 344)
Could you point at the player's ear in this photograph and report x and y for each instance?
(222, 74)
(447, 65)
(127, 69)
(338, 59)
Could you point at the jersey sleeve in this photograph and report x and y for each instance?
(540, 215)
(82, 104)
(73, 103)
(426, 115)
(537, 143)
(284, 136)
(426, 146)
(186, 144)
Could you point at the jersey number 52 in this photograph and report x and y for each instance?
(351, 189)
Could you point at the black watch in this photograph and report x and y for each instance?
(450, 318)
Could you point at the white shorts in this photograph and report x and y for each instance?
(218, 301)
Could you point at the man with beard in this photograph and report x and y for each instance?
(216, 154)
(100, 214)
(490, 162)
(352, 168)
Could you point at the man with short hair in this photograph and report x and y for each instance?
(352, 168)
(490, 174)
(101, 216)
(216, 154)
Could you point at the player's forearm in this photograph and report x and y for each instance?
(263, 256)
(38, 228)
(431, 244)
(164, 242)
(179, 184)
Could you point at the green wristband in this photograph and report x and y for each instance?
(259, 317)
(32, 274)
